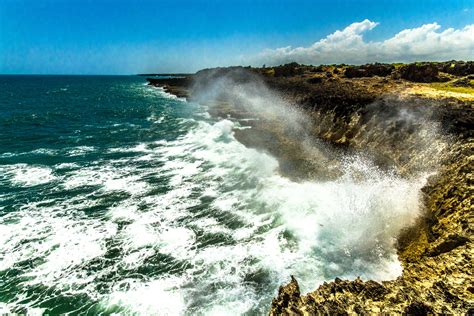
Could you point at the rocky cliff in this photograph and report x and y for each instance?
(414, 118)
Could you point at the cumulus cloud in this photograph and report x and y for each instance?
(427, 42)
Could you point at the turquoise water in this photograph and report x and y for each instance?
(118, 198)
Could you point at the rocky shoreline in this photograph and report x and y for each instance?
(358, 108)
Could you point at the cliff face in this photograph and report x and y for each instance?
(370, 110)
(436, 255)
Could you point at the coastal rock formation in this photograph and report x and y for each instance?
(369, 70)
(402, 126)
(420, 73)
(436, 255)
(174, 85)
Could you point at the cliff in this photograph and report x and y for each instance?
(361, 108)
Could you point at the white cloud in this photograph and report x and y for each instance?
(426, 42)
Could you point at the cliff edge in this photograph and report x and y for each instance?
(358, 108)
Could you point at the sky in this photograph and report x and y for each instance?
(177, 36)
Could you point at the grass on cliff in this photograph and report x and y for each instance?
(444, 86)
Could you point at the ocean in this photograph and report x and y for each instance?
(116, 197)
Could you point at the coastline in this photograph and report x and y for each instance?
(351, 106)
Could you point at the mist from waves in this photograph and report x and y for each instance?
(194, 224)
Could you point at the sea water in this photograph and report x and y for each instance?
(116, 197)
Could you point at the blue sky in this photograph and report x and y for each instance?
(126, 36)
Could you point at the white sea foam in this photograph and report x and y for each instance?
(55, 233)
(67, 165)
(137, 148)
(4, 310)
(256, 223)
(45, 151)
(157, 119)
(27, 175)
(8, 155)
(108, 177)
(39, 151)
(161, 296)
(80, 150)
(345, 228)
(167, 95)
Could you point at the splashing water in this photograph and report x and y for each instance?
(149, 206)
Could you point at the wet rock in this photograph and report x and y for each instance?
(288, 299)
(178, 86)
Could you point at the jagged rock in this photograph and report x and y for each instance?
(457, 68)
(420, 73)
(288, 299)
(368, 70)
(437, 258)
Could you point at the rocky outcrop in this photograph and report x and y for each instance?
(369, 70)
(420, 73)
(415, 72)
(437, 253)
(437, 256)
(177, 86)
(457, 68)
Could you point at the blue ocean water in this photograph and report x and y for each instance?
(116, 197)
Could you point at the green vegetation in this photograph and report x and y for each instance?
(447, 86)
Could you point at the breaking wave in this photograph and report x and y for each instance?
(198, 224)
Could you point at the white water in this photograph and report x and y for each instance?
(26, 175)
(270, 227)
(197, 225)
